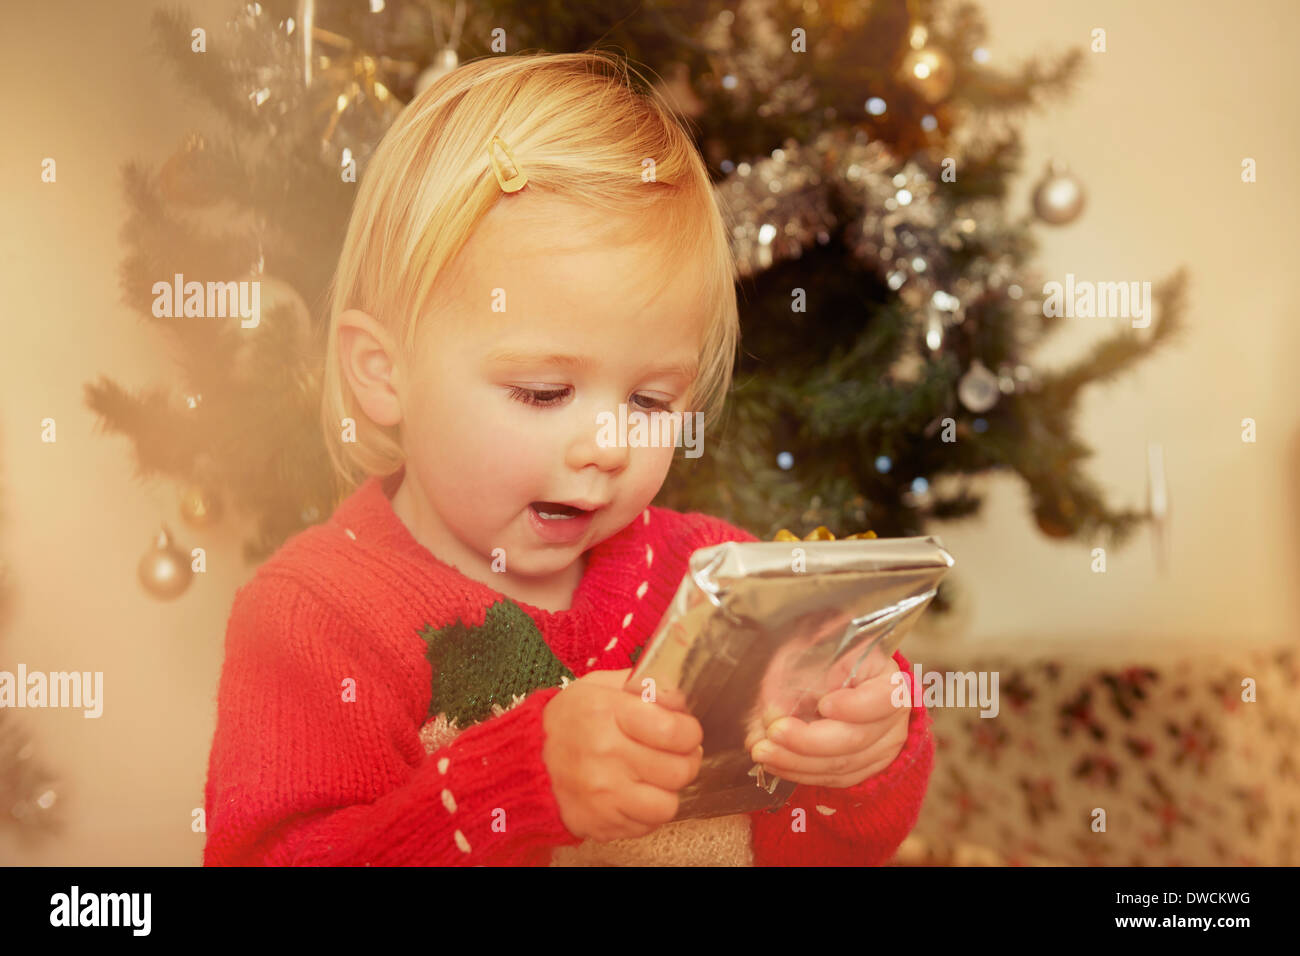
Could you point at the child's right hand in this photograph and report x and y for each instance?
(616, 762)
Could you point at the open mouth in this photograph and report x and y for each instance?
(554, 511)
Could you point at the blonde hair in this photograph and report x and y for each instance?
(579, 129)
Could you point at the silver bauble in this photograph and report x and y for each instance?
(978, 388)
(1058, 197)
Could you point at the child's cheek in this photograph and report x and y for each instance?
(523, 449)
(646, 472)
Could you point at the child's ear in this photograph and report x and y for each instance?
(368, 358)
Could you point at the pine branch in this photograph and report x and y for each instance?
(162, 244)
(961, 505)
(1115, 355)
(211, 75)
(1031, 84)
(165, 442)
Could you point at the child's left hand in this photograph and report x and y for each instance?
(863, 734)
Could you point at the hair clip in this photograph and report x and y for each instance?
(509, 184)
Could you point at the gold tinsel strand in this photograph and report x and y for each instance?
(820, 533)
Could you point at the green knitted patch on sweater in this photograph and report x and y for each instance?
(476, 667)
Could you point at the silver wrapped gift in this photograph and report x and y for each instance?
(762, 630)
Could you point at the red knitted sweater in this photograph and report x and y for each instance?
(319, 756)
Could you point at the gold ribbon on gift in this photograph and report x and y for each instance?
(820, 533)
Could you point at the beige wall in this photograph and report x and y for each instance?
(1156, 132)
(87, 90)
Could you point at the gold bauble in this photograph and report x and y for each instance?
(199, 506)
(930, 72)
(165, 570)
(1052, 519)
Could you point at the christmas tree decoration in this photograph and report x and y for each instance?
(443, 63)
(835, 178)
(1058, 197)
(185, 177)
(1054, 517)
(919, 496)
(350, 94)
(199, 507)
(357, 120)
(1158, 504)
(164, 570)
(447, 29)
(270, 62)
(306, 24)
(297, 74)
(29, 796)
(927, 69)
(934, 331)
(820, 533)
(978, 388)
(907, 368)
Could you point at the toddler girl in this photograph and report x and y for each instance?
(435, 675)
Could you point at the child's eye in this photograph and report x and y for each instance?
(539, 397)
(544, 398)
(657, 404)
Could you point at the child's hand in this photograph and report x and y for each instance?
(863, 734)
(616, 762)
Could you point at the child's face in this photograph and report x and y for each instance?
(480, 455)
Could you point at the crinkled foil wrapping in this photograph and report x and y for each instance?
(762, 630)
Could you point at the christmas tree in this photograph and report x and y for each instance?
(862, 151)
(28, 792)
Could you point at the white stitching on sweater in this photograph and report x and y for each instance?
(612, 642)
(640, 591)
(462, 842)
(826, 811)
(627, 620)
(649, 556)
(449, 801)
(645, 515)
(442, 765)
(590, 661)
(350, 533)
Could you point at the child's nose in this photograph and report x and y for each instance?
(593, 445)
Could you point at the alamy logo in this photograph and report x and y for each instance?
(658, 429)
(102, 909)
(215, 300)
(83, 689)
(1098, 300)
(946, 689)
